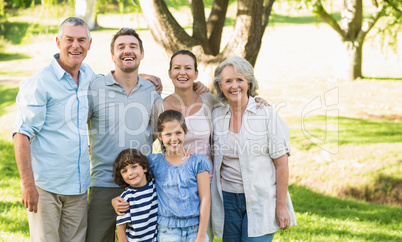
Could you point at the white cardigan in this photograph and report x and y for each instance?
(264, 137)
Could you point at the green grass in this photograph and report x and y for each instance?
(12, 56)
(325, 218)
(13, 217)
(7, 97)
(334, 131)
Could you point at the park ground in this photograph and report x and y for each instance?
(346, 136)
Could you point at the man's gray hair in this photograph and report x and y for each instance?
(74, 21)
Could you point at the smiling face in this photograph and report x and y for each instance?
(172, 137)
(233, 85)
(74, 45)
(134, 175)
(127, 54)
(182, 72)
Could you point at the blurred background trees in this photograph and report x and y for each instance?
(352, 20)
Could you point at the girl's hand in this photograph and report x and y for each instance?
(282, 217)
(261, 102)
(120, 205)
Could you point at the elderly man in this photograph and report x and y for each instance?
(51, 147)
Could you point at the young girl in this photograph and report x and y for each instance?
(130, 171)
(182, 184)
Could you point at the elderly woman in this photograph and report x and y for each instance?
(250, 199)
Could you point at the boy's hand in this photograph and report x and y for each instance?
(120, 205)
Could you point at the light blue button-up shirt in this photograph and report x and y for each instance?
(53, 112)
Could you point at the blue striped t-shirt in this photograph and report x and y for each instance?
(142, 217)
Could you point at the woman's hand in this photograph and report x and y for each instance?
(282, 217)
(120, 205)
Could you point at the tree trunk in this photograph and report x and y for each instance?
(205, 42)
(352, 31)
(86, 10)
(351, 65)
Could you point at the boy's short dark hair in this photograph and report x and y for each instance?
(125, 158)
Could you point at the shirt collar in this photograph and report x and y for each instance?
(59, 71)
(111, 81)
(251, 106)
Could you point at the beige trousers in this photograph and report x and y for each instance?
(59, 217)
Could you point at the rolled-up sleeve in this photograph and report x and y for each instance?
(31, 103)
(278, 136)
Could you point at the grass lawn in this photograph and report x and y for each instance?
(341, 167)
(320, 217)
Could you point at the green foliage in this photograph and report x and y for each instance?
(20, 32)
(20, 3)
(391, 24)
(117, 6)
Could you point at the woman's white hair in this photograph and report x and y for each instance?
(243, 68)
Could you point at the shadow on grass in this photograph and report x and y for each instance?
(13, 56)
(386, 189)
(308, 19)
(102, 29)
(382, 78)
(7, 97)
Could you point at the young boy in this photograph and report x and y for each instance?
(131, 171)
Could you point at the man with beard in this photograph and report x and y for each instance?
(120, 105)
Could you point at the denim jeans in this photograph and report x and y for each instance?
(236, 223)
(187, 234)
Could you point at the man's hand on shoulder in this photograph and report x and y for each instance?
(155, 80)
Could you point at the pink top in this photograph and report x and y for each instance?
(198, 135)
